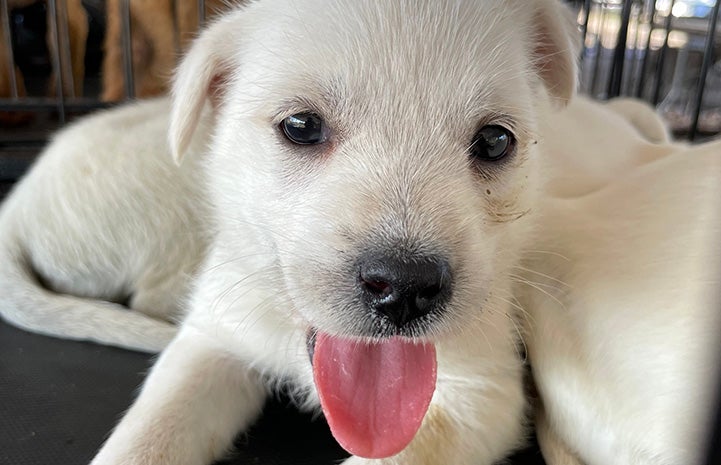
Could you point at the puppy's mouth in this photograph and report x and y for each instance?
(374, 394)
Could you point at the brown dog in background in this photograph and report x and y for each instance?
(160, 30)
(72, 25)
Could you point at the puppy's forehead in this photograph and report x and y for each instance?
(451, 53)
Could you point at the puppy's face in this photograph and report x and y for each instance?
(385, 152)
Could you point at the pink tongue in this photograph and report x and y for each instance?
(374, 396)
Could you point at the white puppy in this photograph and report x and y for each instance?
(104, 217)
(623, 294)
(369, 171)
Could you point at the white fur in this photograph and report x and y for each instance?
(622, 294)
(404, 85)
(104, 216)
(643, 117)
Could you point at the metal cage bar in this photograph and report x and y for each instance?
(7, 39)
(54, 35)
(128, 76)
(707, 57)
(586, 16)
(201, 13)
(662, 55)
(640, 84)
(64, 49)
(614, 84)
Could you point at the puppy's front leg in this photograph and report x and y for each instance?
(195, 400)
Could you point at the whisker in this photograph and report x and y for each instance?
(549, 277)
(540, 289)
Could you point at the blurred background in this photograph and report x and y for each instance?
(662, 51)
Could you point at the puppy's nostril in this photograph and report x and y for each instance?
(426, 296)
(379, 288)
(430, 291)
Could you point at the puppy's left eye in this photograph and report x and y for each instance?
(305, 129)
(492, 142)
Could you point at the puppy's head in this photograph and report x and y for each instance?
(385, 153)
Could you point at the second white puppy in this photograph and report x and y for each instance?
(623, 296)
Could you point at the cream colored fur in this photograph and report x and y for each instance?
(104, 217)
(622, 293)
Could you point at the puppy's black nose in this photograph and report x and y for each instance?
(403, 290)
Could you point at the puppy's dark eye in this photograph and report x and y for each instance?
(491, 143)
(304, 129)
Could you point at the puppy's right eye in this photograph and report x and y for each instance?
(492, 143)
(304, 129)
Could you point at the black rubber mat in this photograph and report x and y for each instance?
(58, 399)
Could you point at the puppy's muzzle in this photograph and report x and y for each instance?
(404, 290)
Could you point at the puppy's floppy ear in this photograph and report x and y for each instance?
(555, 46)
(200, 78)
